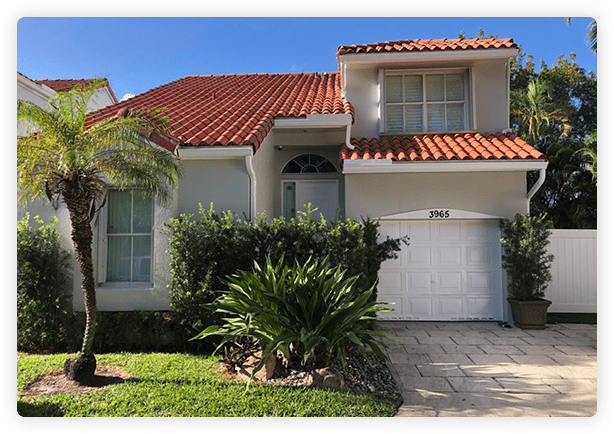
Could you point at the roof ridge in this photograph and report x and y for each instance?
(251, 74)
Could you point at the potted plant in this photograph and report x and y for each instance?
(527, 262)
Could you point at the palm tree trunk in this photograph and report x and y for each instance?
(78, 209)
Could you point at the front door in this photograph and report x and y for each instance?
(321, 195)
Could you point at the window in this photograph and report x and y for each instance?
(426, 102)
(128, 230)
(309, 163)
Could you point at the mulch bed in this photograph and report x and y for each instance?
(57, 383)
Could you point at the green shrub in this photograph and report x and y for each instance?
(309, 312)
(204, 251)
(45, 321)
(525, 257)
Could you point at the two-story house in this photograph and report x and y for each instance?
(414, 133)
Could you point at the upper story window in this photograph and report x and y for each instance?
(428, 101)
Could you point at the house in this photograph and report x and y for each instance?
(414, 133)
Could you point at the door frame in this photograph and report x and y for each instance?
(311, 178)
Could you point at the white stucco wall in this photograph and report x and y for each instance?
(501, 194)
(223, 182)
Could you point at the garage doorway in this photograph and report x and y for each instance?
(450, 271)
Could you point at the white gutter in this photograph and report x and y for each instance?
(214, 152)
(388, 166)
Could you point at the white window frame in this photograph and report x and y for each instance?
(102, 250)
(468, 91)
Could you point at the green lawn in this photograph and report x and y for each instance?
(186, 385)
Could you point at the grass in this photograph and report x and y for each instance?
(186, 385)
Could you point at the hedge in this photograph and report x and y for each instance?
(206, 249)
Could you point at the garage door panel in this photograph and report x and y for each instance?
(479, 256)
(449, 283)
(448, 256)
(398, 308)
(419, 283)
(450, 307)
(419, 232)
(389, 282)
(418, 256)
(479, 283)
(420, 308)
(448, 231)
(480, 308)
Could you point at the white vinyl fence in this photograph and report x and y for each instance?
(573, 287)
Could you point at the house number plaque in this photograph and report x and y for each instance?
(439, 214)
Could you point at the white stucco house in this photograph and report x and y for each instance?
(414, 133)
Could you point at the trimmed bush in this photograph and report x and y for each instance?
(525, 257)
(206, 250)
(45, 321)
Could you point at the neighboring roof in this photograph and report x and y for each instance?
(427, 45)
(62, 85)
(236, 109)
(436, 147)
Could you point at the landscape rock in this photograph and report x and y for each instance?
(263, 374)
(328, 377)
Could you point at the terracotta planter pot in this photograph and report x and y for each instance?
(529, 314)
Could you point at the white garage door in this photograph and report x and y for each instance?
(451, 270)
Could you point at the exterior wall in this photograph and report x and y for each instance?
(574, 271)
(501, 194)
(225, 183)
(263, 162)
(491, 95)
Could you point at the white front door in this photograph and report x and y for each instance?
(323, 195)
(451, 270)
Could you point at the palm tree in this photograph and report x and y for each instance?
(66, 160)
(533, 110)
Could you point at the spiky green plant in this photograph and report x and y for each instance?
(307, 309)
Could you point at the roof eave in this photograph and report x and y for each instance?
(388, 166)
(366, 59)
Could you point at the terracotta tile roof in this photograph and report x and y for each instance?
(437, 147)
(427, 45)
(236, 109)
(62, 85)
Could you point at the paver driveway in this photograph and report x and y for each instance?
(483, 369)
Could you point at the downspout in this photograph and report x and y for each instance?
(538, 183)
(252, 185)
(348, 135)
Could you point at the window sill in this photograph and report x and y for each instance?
(384, 134)
(125, 285)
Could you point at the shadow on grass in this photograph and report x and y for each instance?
(38, 409)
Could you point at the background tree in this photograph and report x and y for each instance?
(569, 194)
(65, 161)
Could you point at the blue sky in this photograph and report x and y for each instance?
(138, 54)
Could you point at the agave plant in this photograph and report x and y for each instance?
(310, 309)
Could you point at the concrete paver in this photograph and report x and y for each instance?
(481, 369)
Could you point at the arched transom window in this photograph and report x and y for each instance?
(309, 163)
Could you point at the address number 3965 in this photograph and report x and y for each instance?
(439, 214)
